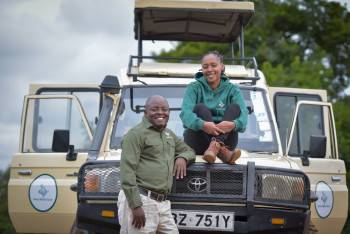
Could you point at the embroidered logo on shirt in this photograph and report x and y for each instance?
(168, 136)
(221, 105)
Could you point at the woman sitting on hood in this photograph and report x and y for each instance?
(213, 112)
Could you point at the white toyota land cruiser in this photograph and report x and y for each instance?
(288, 175)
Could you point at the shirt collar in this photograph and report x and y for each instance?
(146, 123)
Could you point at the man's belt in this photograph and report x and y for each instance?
(153, 195)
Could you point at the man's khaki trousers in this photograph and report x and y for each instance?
(158, 216)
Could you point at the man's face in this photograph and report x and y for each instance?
(157, 113)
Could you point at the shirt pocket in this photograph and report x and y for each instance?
(152, 147)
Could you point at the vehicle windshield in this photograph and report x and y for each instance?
(258, 137)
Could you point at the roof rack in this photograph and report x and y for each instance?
(235, 68)
(179, 20)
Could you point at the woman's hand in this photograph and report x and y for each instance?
(212, 129)
(226, 126)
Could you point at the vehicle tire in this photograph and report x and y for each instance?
(76, 230)
(312, 228)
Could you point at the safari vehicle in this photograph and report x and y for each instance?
(289, 174)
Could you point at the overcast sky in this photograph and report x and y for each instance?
(59, 41)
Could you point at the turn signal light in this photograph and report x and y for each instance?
(278, 221)
(91, 182)
(108, 213)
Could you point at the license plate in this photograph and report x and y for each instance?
(204, 220)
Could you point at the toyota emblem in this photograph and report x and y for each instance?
(197, 184)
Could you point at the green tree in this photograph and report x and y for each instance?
(5, 223)
(298, 43)
(293, 33)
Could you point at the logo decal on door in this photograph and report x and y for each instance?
(43, 192)
(324, 203)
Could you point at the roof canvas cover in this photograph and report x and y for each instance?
(181, 20)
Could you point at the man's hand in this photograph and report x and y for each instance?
(139, 218)
(211, 129)
(226, 126)
(180, 168)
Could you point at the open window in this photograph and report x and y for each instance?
(312, 130)
(284, 106)
(90, 99)
(46, 113)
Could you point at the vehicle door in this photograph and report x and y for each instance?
(39, 195)
(302, 116)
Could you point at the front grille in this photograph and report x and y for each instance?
(181, 186)
(209, 183)
(224, 180)
(286, 187)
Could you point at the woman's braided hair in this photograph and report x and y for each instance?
(215, 53)
(218, 55)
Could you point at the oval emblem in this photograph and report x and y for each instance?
(324, 203)
(43, 192)
(197, 184)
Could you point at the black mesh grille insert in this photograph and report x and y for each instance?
(228, 181)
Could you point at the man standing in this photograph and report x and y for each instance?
(151, 156)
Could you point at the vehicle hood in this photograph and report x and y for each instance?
(260, 159)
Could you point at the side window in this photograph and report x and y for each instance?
(314, 119)
(310, 121)
(90, 100)
(44, 115)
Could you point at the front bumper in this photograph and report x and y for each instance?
(255, 195)
(255, 220)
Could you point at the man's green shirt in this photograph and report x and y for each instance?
(148, 158)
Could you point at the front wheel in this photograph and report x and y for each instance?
(312, 228)
(76, 230)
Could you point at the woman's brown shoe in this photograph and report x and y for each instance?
(229, 156)
(213, 149)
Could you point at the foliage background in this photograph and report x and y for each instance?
(297, 43)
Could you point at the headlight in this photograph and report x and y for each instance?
(289, 188)
(101, 178)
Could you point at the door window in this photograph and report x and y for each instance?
(309, 121)
(311, 118)
(44, 115)
(90, 99)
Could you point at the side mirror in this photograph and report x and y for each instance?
(317, 149)
(318, 146)
(60, 141)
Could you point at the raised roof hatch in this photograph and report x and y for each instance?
(191, 20)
